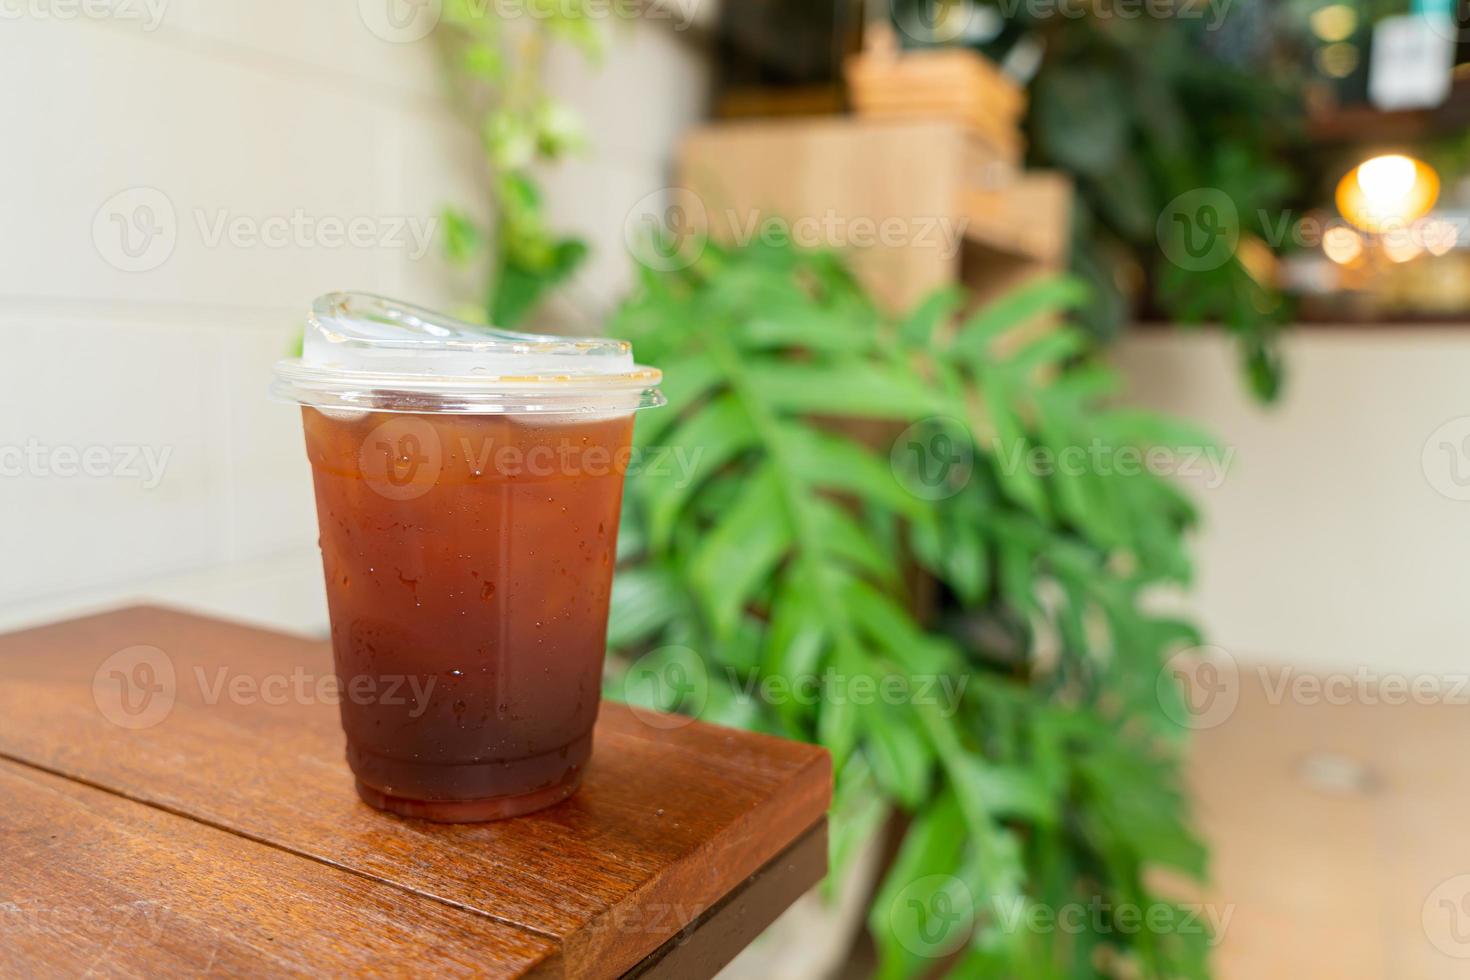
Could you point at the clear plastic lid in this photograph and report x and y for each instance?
(365, 352)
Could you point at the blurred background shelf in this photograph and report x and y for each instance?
(885, 82)
(956, 212)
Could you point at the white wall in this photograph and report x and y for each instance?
(635, 106)
(1336, 540)
(242, 110)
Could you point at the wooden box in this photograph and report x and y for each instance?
(962, 213)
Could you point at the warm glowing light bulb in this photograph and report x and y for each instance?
(1387, 179)
(1387, 192)
(1438, 235)
(1338, 60)
(1341, 245)
(1401, 248)
(1335, 22)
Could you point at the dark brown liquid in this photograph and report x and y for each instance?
(468, 564)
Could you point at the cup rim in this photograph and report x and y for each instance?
(320, 387)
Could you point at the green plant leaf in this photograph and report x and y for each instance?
(1012, 448)
(859, 811)
(1040, 766)
(920, 327)
(710, 439)
(901, 757)
(645, 600)
(462, 239)
(843, 538)
(801, 327)
(925, 864)
(1042, 297)
(860, 389)
(835, 463)
(740, 551)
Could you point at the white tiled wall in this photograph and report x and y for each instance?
(241, 110)
(635, 106)
(1340, 537)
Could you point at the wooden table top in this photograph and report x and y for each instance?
(174, 798)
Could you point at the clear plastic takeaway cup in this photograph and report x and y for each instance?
(468, 484)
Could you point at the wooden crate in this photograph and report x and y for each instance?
(975, 218)
(944, 83)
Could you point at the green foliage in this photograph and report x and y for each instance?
(497, 67)
(1145, 110)
(1024, 736)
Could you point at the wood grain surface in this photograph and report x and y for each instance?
(97, 884)
(235, 734)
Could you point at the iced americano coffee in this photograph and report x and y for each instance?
(468, 485)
